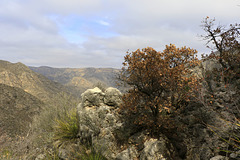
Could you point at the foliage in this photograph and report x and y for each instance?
(93, 155)
(67, 127)
(161, 83)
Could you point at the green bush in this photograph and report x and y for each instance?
(66, 127)
(93, 155)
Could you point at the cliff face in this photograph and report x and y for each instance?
(19, 75)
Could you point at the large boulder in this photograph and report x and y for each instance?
(128, 154)
(113, 97)
(92, 97)
(99, 120)
(160, 149)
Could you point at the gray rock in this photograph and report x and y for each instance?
(100, 124)
(92, 97)
(235, 155)
(156, 149)
(128, 154)
(218, 157)
(210, 65)
(98, 121)
(113, 97)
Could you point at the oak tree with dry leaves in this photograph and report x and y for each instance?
(160, 83)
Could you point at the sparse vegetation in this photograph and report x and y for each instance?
(91, 154)
(53, 115)
(57, 127)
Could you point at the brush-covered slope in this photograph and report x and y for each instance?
(19, 75)
(17, 109)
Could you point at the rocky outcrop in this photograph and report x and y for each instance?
(98, 121)
(210, 121)
(95, 97)
(101, 126)
(92, 97)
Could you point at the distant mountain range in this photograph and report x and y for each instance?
(77, 80)
(19, 75)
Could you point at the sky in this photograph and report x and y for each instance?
(98, 33)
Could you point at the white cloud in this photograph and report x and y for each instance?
(80, 33)
(104, 23)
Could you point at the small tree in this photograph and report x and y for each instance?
(161, 83)
(226, 42)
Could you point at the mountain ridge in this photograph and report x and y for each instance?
(19, 75)
(77, 80)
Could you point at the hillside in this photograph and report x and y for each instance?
(17, 111)
(24, 96)
(19, 75)
(79, 79)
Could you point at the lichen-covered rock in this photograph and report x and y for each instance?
(92, 97)
(211, 64)
(219, 157)
(113, 97)
(98, 121)
(128, 154)
(157, 149)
